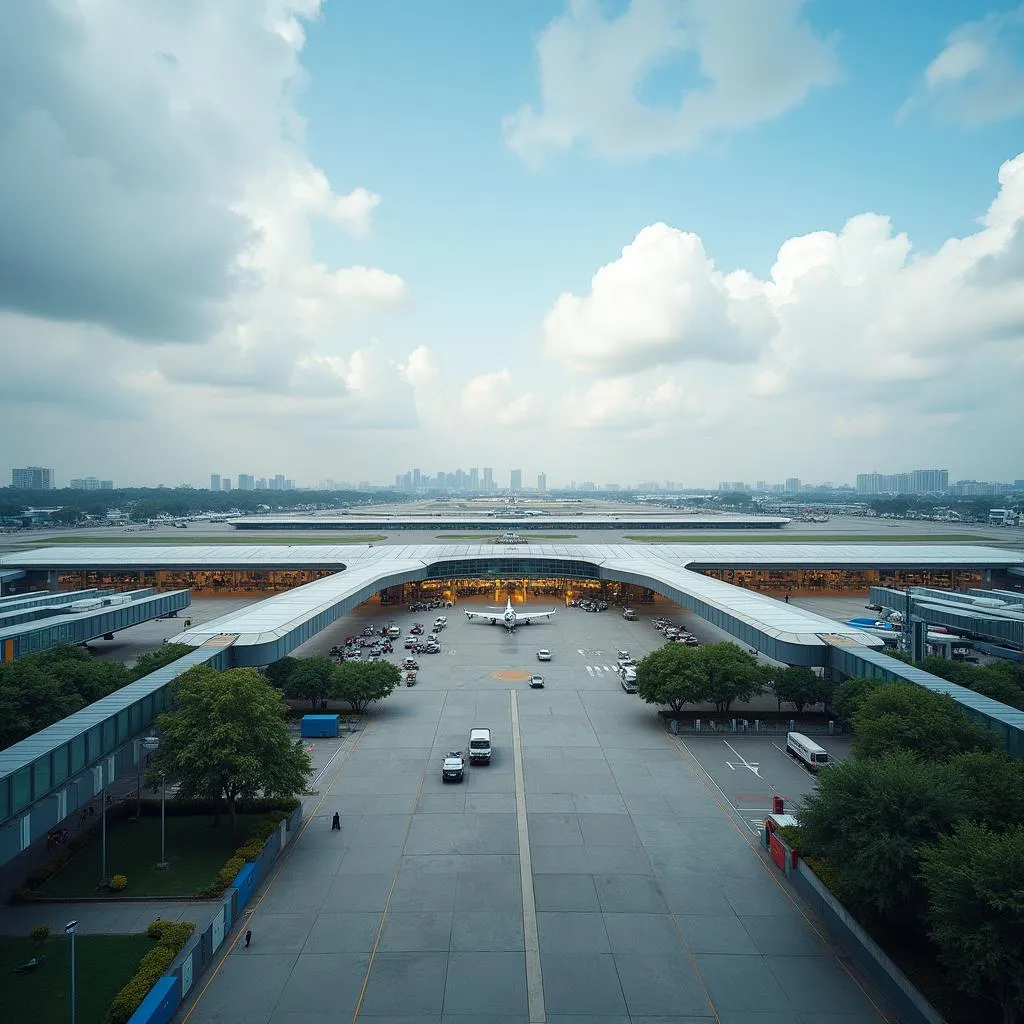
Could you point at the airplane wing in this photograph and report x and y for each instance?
(494, 616)
(528, 616)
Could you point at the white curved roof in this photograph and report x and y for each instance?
(362, 566)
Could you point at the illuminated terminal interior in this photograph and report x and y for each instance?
(461, 580)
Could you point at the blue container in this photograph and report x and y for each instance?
(319, 725)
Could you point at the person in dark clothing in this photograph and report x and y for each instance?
(248, 936)
(336, 822)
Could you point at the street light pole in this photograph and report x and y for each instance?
(103, 828)
(163, 855)
(69, 930)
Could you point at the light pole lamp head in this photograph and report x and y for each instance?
(69, 928)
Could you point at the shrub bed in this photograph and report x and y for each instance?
(256, 837)
(170, 937)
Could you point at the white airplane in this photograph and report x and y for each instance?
(509, 618)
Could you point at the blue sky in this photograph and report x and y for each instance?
(485, 161)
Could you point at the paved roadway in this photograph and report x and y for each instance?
(589, 873)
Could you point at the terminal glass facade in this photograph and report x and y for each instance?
(226, 582)
(837, 581)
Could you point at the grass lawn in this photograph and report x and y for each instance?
(195, 850)
(103, 963)
(192, 538)
(810, 538)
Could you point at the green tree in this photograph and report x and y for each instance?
(361, 683)
(995, 785)
(798, 686)
(909, 716)
(850, 692)
(310, 680)
(974, 879)
(730, 674)
(164, 655)
(868, 819)
(279, 672)
(67, 516)
(671, 675)
(226, 739)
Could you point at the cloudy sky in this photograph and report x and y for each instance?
(690, 240)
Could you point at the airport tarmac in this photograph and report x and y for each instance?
(838, 529)
(590, 872)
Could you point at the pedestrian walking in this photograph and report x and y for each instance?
(787, 599)
(248, 937)
(336, 822)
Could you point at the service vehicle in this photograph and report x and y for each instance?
(543, 655)
(536, 682)
(810, 754)
(480, 746)
(453, 767)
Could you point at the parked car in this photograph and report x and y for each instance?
(410, 664)
(536, 682)
(543, 655)
(453, 767)
(629, 615)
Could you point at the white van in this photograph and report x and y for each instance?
(806, 751)
(628, 675)
(479, 746)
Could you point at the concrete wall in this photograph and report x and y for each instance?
(205, 944)
(891, 981)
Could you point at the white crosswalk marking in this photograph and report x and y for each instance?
(590, 671)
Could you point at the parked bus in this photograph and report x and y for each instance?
(806, 751)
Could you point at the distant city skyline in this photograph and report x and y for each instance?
(917, 481)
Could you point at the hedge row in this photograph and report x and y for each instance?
(171, 937)
(186, 808)
(256, 837)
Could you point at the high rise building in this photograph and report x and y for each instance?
(32, 478)
(277, 484)
(516, 480)
(246, 482)
(920, 481)
(474, 479)
(225, 484)
(416, 476)
(542, 482)
(90, 483)
(215, 481)
(792, 485)
(488, 478)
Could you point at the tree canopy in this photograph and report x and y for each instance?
(868, 819)
(163, 655)
(800, 687)
(909, 716)
(974, 879)
(227, 739)
(43, 688)
(677, 675)
(363, 683)
(310, 679)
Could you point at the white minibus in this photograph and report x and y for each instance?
(806, 751)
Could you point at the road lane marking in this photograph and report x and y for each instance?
(534, 978)
(742, 761)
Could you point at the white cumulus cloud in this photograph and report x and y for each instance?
(852, 328)
(662, 301)
(755, 61)
(979, 74)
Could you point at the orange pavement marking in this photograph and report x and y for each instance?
(511, 675)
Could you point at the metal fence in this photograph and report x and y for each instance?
(752, 727)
